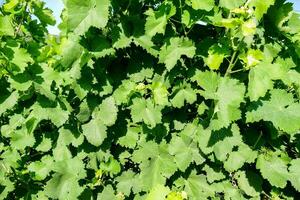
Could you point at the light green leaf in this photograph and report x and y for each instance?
(45, 15)
(64, 183)
(126, 182)
(159, 192)
(273, 168)
(107, 193)
(21, 58)
(196, 186)
(9, 6)
(238, 158)
(185, 152)
(57, 115)
(171, 52)
(81, 15)
(230, 4)
(249, 182)
(156, 21)
(280, 110)
(21, 139)
(230, 95)
(155, 170)
(186, 94)
(131, 137)
(216, 55)
(144, 110)
(213, 174)
(208, 81)
(41, 169)
(107, 112)
(95, 132)
(261, 7)
(202, 4)
(294, 170)
(9, 102)
(6, 27)
(261, 78)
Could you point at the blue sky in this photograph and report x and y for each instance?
(56, 6)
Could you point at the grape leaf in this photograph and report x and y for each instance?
(156, 21)
(171, 52)
(144, 110)
(159, 192)
(95, 132)
(273, 168)
(230, 4)
(6, 27)
(279, 110)
(249, 182)
(186, 94)
(81, 15)
(261, 7)
(106, 112)
(206, 5)
(294, 173)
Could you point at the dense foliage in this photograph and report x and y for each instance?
(150, 99)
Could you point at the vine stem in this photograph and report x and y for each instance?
(181, 13)
(232, 63)
(257, 140)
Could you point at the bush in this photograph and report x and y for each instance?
(150, 99)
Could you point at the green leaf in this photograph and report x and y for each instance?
(280, 110)
(216, 55)
(155, 170)
(172, 51)
(131, 137)
(21, 139)
(95, 132)
(107, 112)
(6, 27)
(213, 174)
(294, 170)
(208, 81)
(186, 94)
(45, 145)
(224, 141)
(228, 93)
(71, 51)
(41, 169)
(144, 110)
(185, 152)
(249, 182)
(261, 7)
(81, 15)
(273, 168)
(196, 186)
(156, 21)
(9, 6)
(9, 102)
(21, 58)
(159, 192)
(261, 78)
(45, 15)
(126, 182)
(230, 4)
(107, 193)
(64, 183)
(160, 91)
(206, 5)
(57, 115)
(237, 159)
